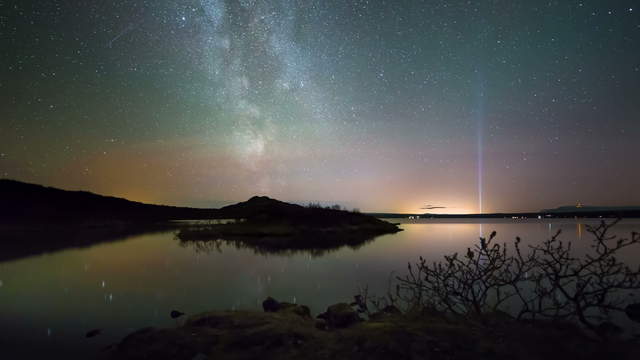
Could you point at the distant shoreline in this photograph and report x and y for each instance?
(610, 214)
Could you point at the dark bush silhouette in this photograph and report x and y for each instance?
(546, 282)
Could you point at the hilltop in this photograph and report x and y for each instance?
(262, 209)
(36, 219)
(30, 202)
(271, 225)
(25, 201)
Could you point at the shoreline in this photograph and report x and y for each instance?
(289, 331)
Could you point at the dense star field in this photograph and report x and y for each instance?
(382, 105)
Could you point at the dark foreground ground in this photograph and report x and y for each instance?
(291, 333)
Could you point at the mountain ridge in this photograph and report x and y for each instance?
(27, 201)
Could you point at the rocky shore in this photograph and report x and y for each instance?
(289, 331)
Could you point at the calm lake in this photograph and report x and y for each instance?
(49, 302)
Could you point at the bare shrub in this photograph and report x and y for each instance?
(547, 281)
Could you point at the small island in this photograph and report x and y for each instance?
(272, 224)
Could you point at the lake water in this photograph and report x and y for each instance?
(49, 302)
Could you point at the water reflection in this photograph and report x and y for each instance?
(253, 244)
(49, 302)
(579, 225)
(35, 239)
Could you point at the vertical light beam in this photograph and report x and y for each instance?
(479, 117)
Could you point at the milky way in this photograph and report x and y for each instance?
(381, 105)
(255, 66)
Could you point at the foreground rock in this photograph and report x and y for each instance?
(287, 332)
(340, 316)
(272, 305)
(633, 312)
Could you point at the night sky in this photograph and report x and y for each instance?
(381, 105)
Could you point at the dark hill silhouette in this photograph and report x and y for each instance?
(31, 202)
(259, 206)
(593, 209)
(271, 225)
(262, 209)
(35, 219)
